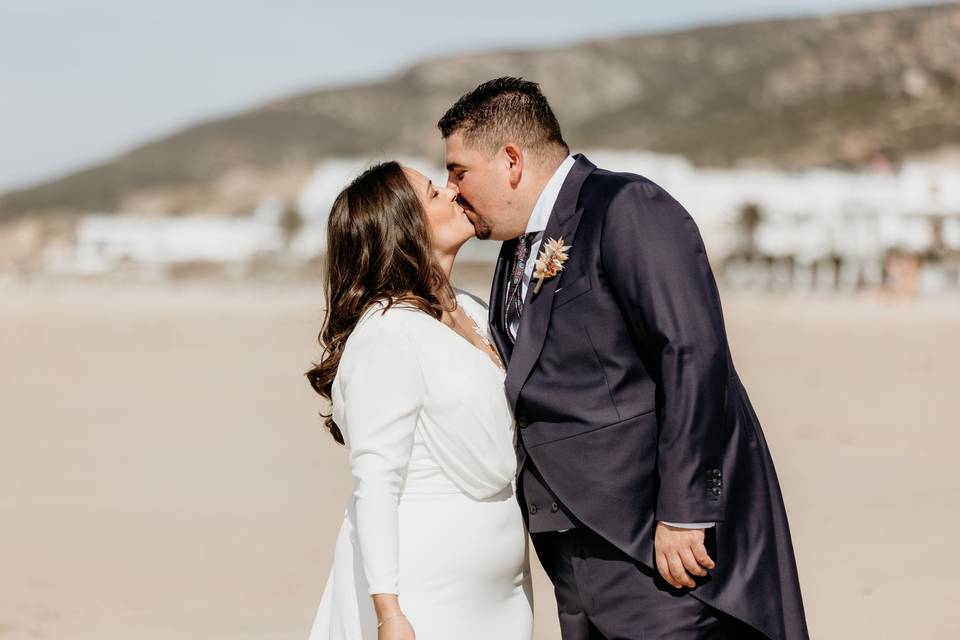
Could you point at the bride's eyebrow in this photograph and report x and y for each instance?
(429, 185)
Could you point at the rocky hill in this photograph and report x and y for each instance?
(834, 91)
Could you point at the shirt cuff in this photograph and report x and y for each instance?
(691, 525)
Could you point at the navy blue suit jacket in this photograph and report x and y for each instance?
(629, 404)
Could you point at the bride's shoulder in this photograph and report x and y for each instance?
(384, 335)
(381, 319)
(383, 345)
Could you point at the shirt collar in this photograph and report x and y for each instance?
(548, 197)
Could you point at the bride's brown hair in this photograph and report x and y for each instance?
(378, 248)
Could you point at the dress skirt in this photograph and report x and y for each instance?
(464, 570)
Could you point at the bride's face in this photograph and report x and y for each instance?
(449, 225)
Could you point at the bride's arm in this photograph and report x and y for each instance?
(382, 394)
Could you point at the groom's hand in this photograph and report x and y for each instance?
(680, 555)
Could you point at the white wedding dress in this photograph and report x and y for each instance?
(433, 516)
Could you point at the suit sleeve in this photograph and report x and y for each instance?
(657, 268)
(382, 394)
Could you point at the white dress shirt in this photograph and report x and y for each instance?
(540, 216)
(538, 223)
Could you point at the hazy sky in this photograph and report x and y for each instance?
(81, 80)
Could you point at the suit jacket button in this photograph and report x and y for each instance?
(522, 422)
(554, 507)
(716, 491)
(533, 509)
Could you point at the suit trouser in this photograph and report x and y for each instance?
(604, 594)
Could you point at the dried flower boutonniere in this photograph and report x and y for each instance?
(550, 261)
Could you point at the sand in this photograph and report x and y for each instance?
(163, 472)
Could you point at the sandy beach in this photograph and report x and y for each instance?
(164, 474)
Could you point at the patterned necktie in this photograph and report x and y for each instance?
(514, 306)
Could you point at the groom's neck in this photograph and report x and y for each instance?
(541, 176)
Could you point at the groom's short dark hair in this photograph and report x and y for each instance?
(505, 110)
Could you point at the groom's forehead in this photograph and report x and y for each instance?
(455, 152)
(454, 145)
(451, 160)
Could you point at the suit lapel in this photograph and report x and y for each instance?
(537, 307)
(497, 300)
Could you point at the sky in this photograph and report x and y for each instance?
(82, 80)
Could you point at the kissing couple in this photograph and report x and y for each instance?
(592, 406)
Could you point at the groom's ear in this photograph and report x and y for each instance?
(514, 157)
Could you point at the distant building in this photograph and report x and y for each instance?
(812, 230)
(103, 242)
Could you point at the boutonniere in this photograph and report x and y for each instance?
(550, 261)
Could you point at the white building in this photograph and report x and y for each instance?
(810, 218)
(103, 242)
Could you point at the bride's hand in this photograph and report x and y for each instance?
(398, 628)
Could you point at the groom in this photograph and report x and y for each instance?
(644, 476)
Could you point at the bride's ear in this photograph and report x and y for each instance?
(514, 158)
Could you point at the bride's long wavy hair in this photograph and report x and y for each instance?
(378, 248)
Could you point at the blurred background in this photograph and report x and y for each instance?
(165, 175)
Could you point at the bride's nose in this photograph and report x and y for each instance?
(452, 192)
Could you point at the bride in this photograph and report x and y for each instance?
(432, 543)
